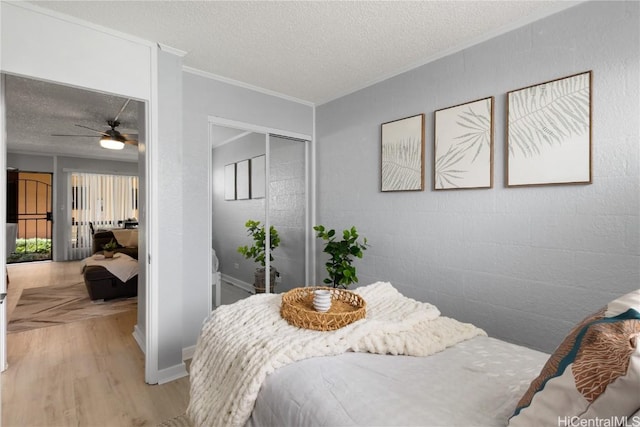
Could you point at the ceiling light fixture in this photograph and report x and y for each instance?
(112, 143)
(112, 139)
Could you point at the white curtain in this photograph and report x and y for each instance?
(98, 201)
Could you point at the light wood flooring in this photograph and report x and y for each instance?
(86, 373)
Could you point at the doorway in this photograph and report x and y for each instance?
(66, 125)
(30, 208)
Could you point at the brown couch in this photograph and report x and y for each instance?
(101, 238)
(100, 283)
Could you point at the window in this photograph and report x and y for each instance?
(98, 201)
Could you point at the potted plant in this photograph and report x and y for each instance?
(258, 254)
(341, 252)
(109, 248)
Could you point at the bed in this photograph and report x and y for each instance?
(362, 375)
(474, 383)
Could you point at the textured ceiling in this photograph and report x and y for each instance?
(313, 51)
(36, 110)
(310, 50)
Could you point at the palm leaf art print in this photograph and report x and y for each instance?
(402, 154)
(549, 137)
(464, 145)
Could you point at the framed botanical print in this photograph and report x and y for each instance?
(549, 132)
(463, 146)
(402, 154)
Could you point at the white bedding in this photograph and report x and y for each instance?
(240, 344)
(474, 383)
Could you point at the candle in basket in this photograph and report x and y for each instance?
(322, 300)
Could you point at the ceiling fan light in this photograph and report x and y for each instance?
(111, 144)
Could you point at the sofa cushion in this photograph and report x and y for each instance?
(593, 374)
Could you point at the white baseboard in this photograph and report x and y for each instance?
(187, 352)
(138, 335)
(239, 283)
(172, 373)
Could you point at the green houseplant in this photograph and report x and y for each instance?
(258, 254)
(109, 248)
(340, 267)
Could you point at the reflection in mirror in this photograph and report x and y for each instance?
(234, 273)
(287, 209)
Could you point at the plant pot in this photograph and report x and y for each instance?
(260, 281)
(108, 254)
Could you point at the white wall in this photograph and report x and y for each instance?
(71, 53)
(203, 97)
(170, 258)
(523, 263)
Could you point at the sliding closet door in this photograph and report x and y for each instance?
(287, 209)
(235, 153)
(258, 180)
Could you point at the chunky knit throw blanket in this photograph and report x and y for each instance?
(240, 344)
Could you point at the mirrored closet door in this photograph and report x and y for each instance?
(259, 182)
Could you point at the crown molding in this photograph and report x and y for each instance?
(244, 85)
(172, 50)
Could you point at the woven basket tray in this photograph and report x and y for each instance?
(346, 307)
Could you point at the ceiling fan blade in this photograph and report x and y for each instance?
(131, 142)
(122, 109)
(95, 130)
(83, 136)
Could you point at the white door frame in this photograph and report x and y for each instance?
(310, 201)
(3, 220)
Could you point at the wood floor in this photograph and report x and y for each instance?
(86, 373)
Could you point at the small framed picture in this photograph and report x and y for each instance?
(463, 146)
(549, 132)
(242, 180)
(402, 154)
(230, 182)
(258, 177)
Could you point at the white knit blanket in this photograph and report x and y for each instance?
(240, 344)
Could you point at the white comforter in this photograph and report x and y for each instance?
(242, 343)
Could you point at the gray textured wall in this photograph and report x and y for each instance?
(523, 263)
(204, 97)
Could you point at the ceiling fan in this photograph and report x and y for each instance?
(111, 138)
